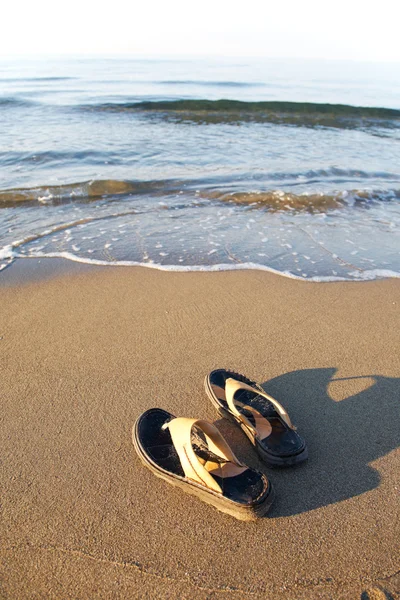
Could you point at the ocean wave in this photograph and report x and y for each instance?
(273, 200)
(75, 192)
(333, 174)
(278, 200)
(290, 113)
(10, 102)
(195, 82)
(51, 156)
(33, 79)
(225, 111)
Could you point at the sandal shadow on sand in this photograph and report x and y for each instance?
(193, 455)
(262, 418)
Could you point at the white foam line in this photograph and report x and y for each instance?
(6, 252)
(354, 276)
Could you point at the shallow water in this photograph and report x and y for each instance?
(283, 165)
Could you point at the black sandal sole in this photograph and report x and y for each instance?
(243, 513)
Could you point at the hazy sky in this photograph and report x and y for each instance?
(341, 29)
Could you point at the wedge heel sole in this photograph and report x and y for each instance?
(270, 459)
(242, 513)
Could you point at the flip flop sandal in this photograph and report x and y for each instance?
(193, 455)
(265, 422)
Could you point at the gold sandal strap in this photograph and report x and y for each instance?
(181, 434)
(232, 386)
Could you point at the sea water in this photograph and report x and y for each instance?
(205, 164)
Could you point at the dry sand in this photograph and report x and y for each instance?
(84, 353)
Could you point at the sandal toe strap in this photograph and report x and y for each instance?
(232, 386)
(181, 433)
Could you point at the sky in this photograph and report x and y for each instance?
(343, 29)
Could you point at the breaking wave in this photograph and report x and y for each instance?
(273, 200)
(78, 192)
(292, 113)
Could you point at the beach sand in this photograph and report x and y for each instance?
(85, 352)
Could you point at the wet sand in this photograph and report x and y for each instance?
(85, 352)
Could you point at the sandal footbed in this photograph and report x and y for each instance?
(245, 496)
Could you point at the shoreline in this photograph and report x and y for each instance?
(87, 349)
(37, 268)
(24, 271)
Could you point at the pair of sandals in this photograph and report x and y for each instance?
(192, 454)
